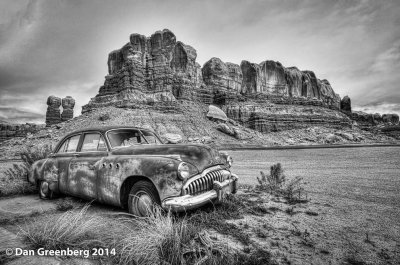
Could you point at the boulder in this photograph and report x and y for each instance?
(215, 113)
(206, 139)
(225, 129)
(238, 133)
(172, 138)
(331, 138)
(344, 135)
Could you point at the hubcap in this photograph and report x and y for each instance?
(143, 203)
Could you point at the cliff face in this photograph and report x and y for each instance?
(159, 70)
(10, 131)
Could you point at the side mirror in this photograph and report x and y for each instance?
(51, 155)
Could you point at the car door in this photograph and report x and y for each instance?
(84, 166)
(63, 156)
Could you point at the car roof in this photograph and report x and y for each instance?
(103, 129)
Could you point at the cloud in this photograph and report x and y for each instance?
(382, 108)
(58, 47)
(16, 115)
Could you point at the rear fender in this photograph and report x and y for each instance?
(45, 169)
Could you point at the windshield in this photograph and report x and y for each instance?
(128, 137)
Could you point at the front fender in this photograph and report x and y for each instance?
(115, 170)
(161, 171)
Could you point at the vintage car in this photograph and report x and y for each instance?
(131, 167)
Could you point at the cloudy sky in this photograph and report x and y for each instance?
(60, 47)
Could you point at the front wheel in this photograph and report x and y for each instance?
(142, 198)
(44, 191)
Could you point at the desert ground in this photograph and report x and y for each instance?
(351, 216)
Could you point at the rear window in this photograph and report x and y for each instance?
(129, 137)
(69, 145)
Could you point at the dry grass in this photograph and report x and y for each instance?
(70, 229)
(157, 239)
(14, 180)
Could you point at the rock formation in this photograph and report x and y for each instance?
(160, 69)
(53, 110)
(9, 131)
(390, 118)
(345, 104)
(367, 121)
(149, 70)
(159, 72)
(277, 118)
(68, 104)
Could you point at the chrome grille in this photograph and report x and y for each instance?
(204, 184)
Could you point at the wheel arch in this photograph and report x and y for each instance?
(127, 186)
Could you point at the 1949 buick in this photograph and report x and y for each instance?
(130, 167)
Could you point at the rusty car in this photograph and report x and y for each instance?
(132, 168)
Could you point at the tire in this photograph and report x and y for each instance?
(142, 198)
(44, 192)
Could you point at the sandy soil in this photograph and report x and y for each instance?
(296, 234)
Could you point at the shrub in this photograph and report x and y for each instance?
(15, 178)
(274, 180)
(294, 191)
(158, 239)
(276, 183)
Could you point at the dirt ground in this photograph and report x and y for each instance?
(295, 234)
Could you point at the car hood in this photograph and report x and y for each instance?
(200, 156)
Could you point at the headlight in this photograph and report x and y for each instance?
(183, 171)
(229, 159)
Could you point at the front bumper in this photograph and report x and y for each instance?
(216, 195)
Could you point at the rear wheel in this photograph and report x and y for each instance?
(142, 198)
(44, 190)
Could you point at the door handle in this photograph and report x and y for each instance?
(76, 155)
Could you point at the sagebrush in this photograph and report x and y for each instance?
(277, 183)
(14, 180)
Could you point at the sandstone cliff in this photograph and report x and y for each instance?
(160, 71)
(10, 131)
(159, 68)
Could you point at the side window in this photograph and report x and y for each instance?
(69, 145)
(93, 142)
(122, 138)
